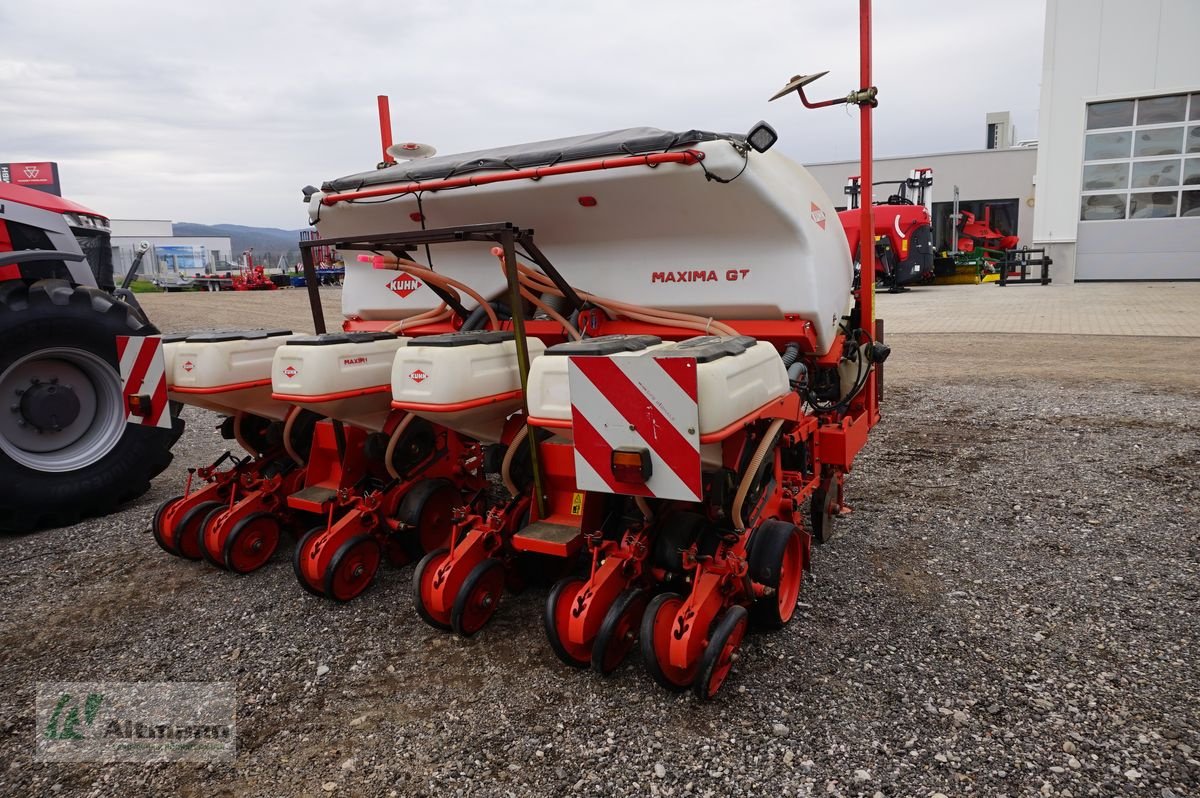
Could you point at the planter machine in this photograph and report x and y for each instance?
(666, 410)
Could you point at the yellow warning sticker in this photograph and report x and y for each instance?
(577, 504)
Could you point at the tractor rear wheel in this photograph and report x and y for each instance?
(66, 450)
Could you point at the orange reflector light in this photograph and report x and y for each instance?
(904, 246)
(587, 202)
(140, 405)
(631, 465)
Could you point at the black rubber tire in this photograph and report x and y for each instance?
(208, 519)
(766, 549)
(53, 313)
(605, 637)
(336, 561)
(646, 643)
(156, 522)
(723, 628)
(231, 539)
(296, 561)
(418, 572)
(550, 623)
(198, 514)
(410, 510)
(821, 511)
(677, 532)
(457, 612)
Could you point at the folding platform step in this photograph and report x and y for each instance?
(312, 499)
(544, 537)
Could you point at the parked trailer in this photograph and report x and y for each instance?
(667, 385)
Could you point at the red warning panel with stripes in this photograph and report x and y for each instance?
(144, 375)
(636, 403)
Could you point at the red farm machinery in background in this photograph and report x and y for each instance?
(660, 423)
(86, 423)
(904, 247)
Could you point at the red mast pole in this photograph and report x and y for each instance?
(866, 279)
(867, 218)
(385, 127)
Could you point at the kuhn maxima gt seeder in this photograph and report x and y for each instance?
(659, 395)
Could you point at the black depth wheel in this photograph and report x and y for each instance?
(156, 523)
(352, 568)
(297, 556)
(431, 560)
(478, 598)
(187, 538)
(717, 659)
(776, 560)
(428, 512)
(556, 617)
(619, 630)
(822, 507)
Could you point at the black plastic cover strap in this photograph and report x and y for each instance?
(605, 345)
(465, 338)
(329, 339)
(707, 348)
(217, 336)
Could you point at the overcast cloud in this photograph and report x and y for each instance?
(220, 111)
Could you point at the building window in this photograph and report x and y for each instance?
(1136, 163)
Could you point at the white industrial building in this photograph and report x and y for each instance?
(1111, 187)
(169, 257)
(1118, 170)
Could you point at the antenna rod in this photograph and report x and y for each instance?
(385, 128)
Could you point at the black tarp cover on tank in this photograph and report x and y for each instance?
(615, 143)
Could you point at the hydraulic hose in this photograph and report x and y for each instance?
(237, 434)
(751, 471)
(476, 317)
(506, 463)
(391, 447)
(288, 446)
(440, 280)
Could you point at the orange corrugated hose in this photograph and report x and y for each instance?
(540, 283)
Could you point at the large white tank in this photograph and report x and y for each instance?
(766, 245)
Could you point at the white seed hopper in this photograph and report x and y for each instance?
(694, 222)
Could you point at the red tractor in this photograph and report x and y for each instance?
(904, 248)
(77, 434)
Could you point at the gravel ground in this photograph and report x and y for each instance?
(1010, 610)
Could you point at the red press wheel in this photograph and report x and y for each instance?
(717, 659)
(478, 598)
(618, 633)
(187, 531)
(776, 560)
(352, 568)
(156, 528)
(556, 618)
(304, 549)
(251, 542)
(428, 512)
(655, 635)
(423, 589)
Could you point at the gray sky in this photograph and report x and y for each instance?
(220, 111)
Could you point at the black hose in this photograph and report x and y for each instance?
(478, 317)
(790, 353)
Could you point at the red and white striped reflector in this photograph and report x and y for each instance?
(636, 402)
(144, 373)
